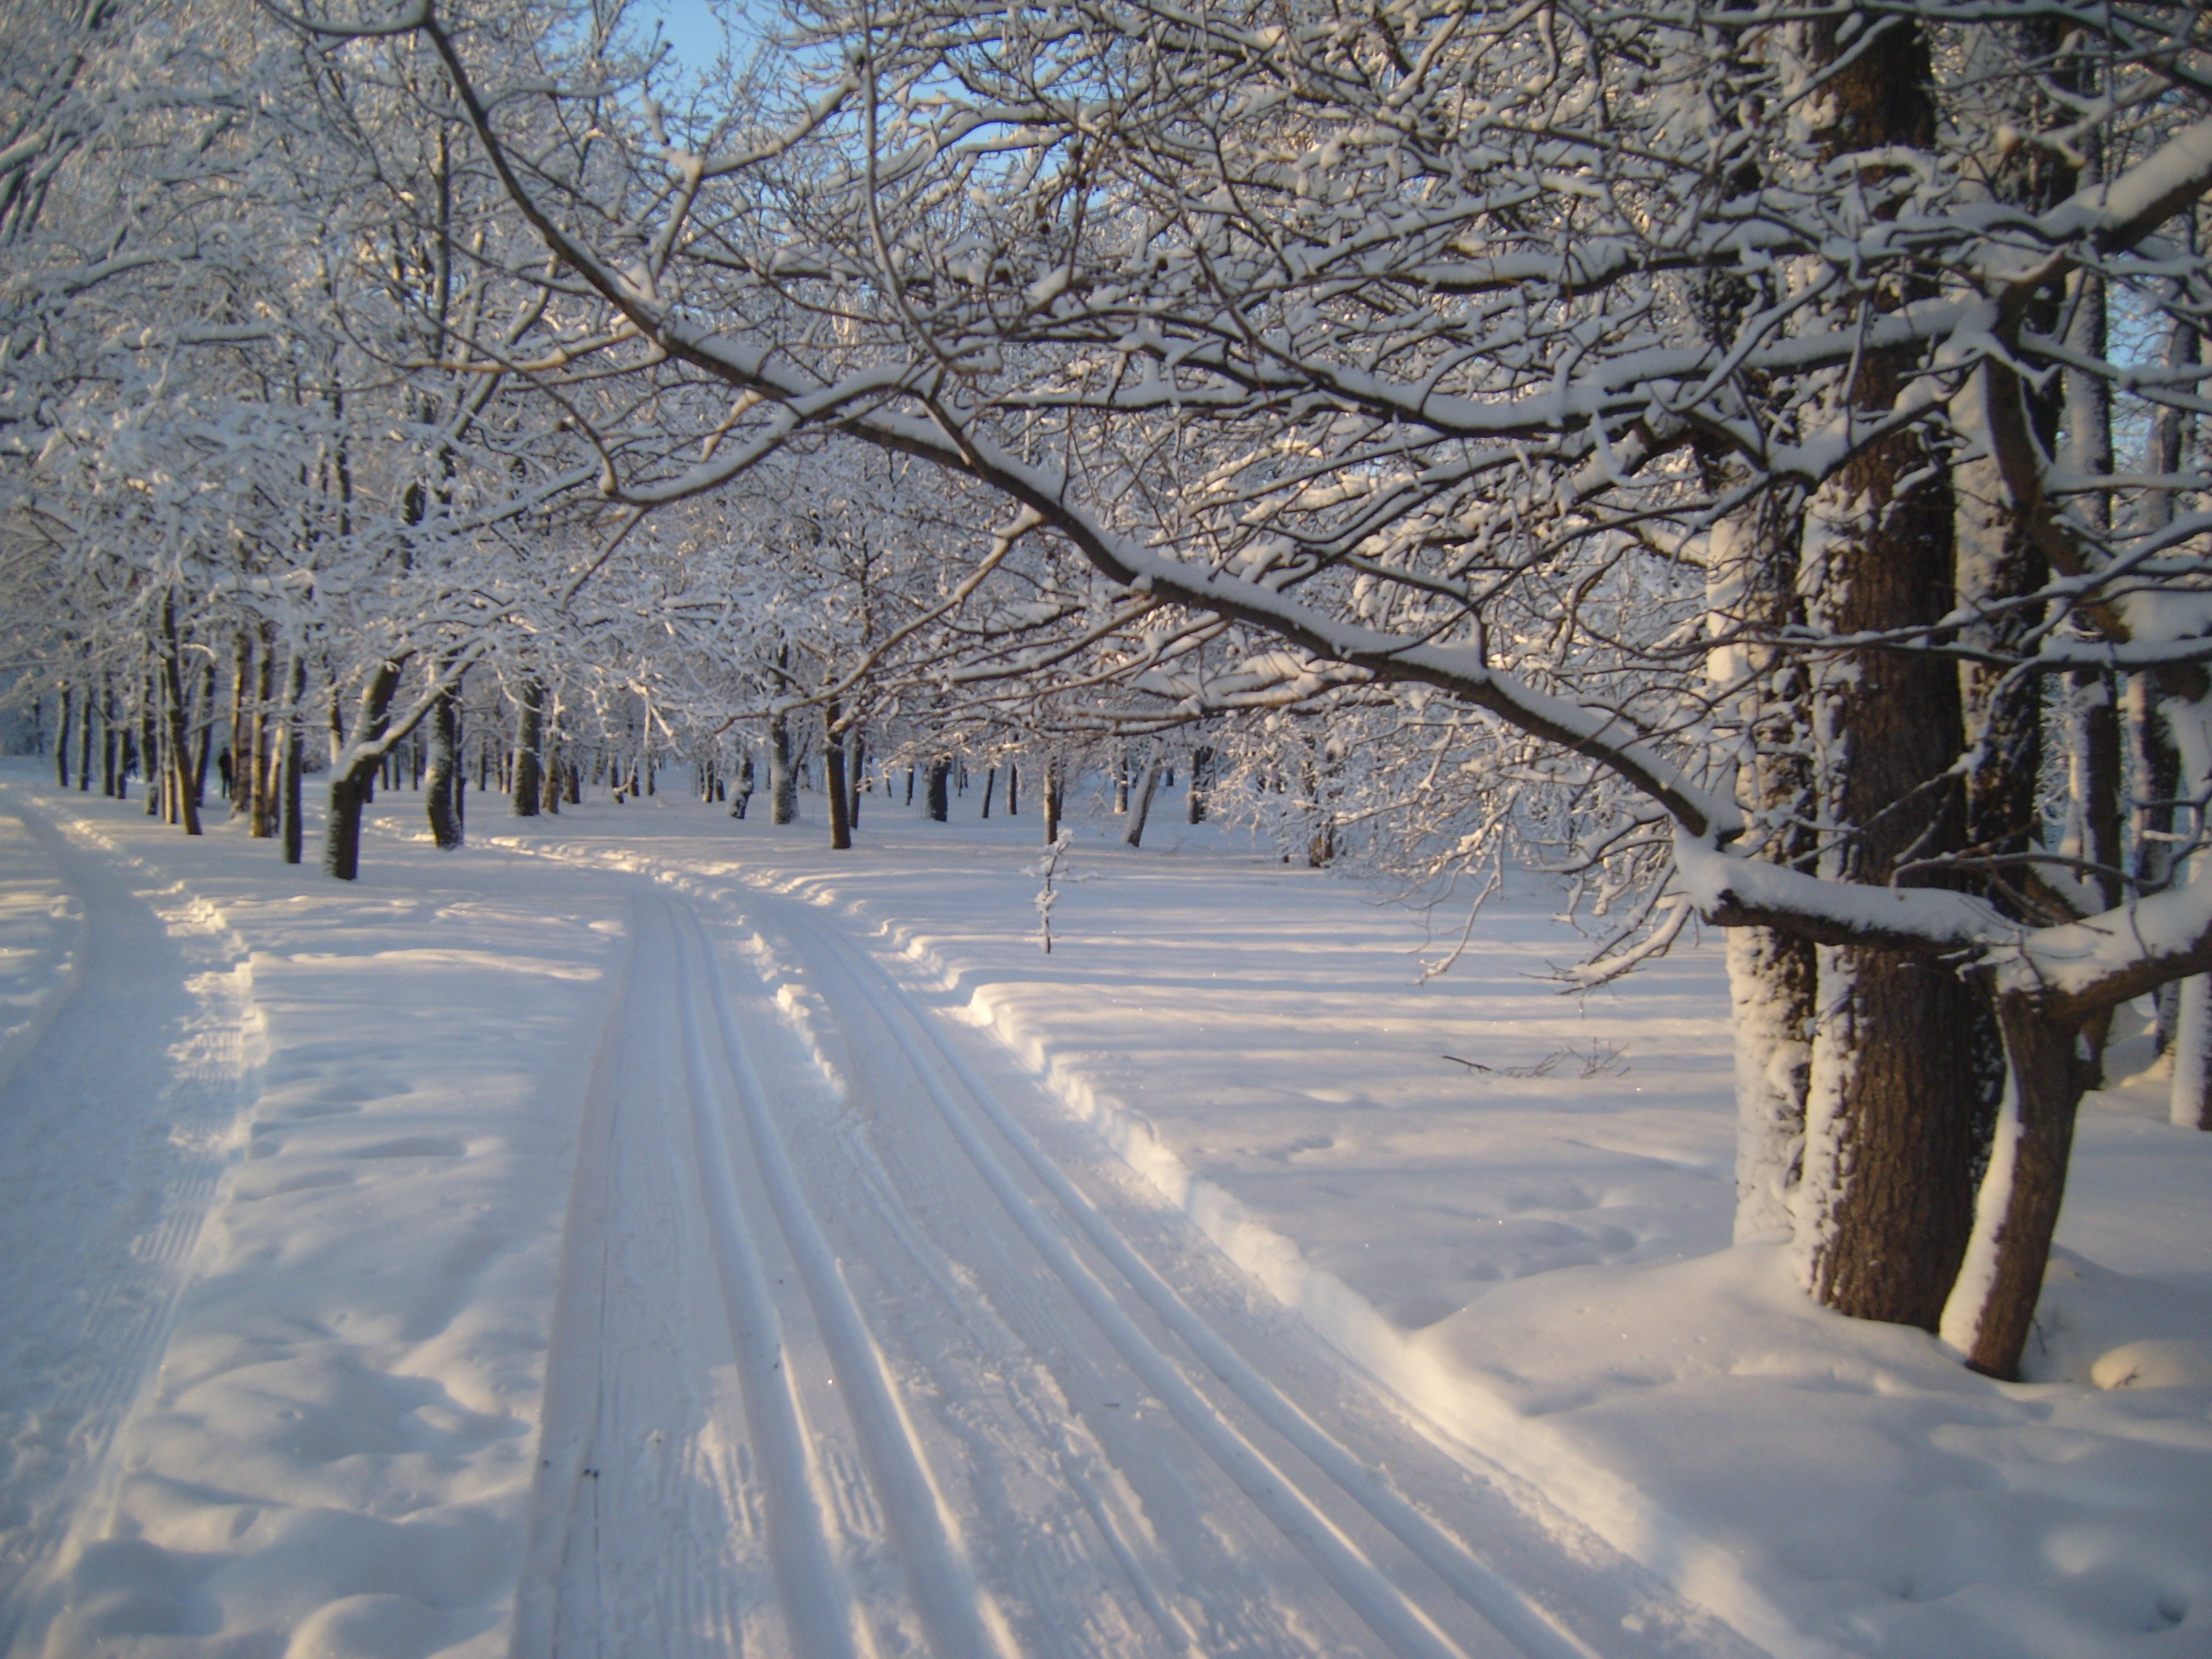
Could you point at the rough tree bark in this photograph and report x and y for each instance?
(350, 782)
(529, 747)
(442, 797)
(782, 770)
(1902, 1050)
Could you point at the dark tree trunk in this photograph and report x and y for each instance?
(939, 803)
(1013, 789)
(261, 769)
(107, 737)
(833, 781)
(990, 788)
(204, 744)
(295, 762)
(1201, 780)
(61, 743)
(441, 799)
(350, 782)
(1055, 789)
(172, 711)
(856, 766)
(529, 743)
(1906, 1064)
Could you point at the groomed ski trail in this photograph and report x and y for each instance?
(846, 1362)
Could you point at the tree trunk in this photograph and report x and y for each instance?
(1013, 789)
(441, 798)
(108, 735)
(349, 780)
(782, 771)
(1141, 807)
(261, 754)
(937, 799)
(204, 744)
(1201, 780)
(856, 766)
(1991, 1309)
(61, 743)
(833, 781)
(295, 762)
(1752, 595)
(1896, 1106)
(172, 711)
(2189, 1103)
(528, 744)
(1056, 788)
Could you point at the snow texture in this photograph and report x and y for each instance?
(438, 1193)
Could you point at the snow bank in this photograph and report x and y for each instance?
(41, 924)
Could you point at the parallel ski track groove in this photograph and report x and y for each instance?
(1503, 1605)
(942, 1582)
(815, 1596)
(1378, 1602)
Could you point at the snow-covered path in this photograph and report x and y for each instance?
(645, 1234)
(121, 1109)
(846, 1362)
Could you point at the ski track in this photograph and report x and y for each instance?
(126, 1104)
(848, 1365)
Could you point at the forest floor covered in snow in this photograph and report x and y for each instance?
(348, 1306)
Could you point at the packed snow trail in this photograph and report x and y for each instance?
(847, 1363)
(123, 1108)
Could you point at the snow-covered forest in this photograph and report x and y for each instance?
(1704, 501)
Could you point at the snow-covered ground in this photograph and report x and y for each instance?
(647, 1233)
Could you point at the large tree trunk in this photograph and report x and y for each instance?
(61, 743)
(1898, 1104)
(529, 746)
(938, 801)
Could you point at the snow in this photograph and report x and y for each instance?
(360, 1420)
